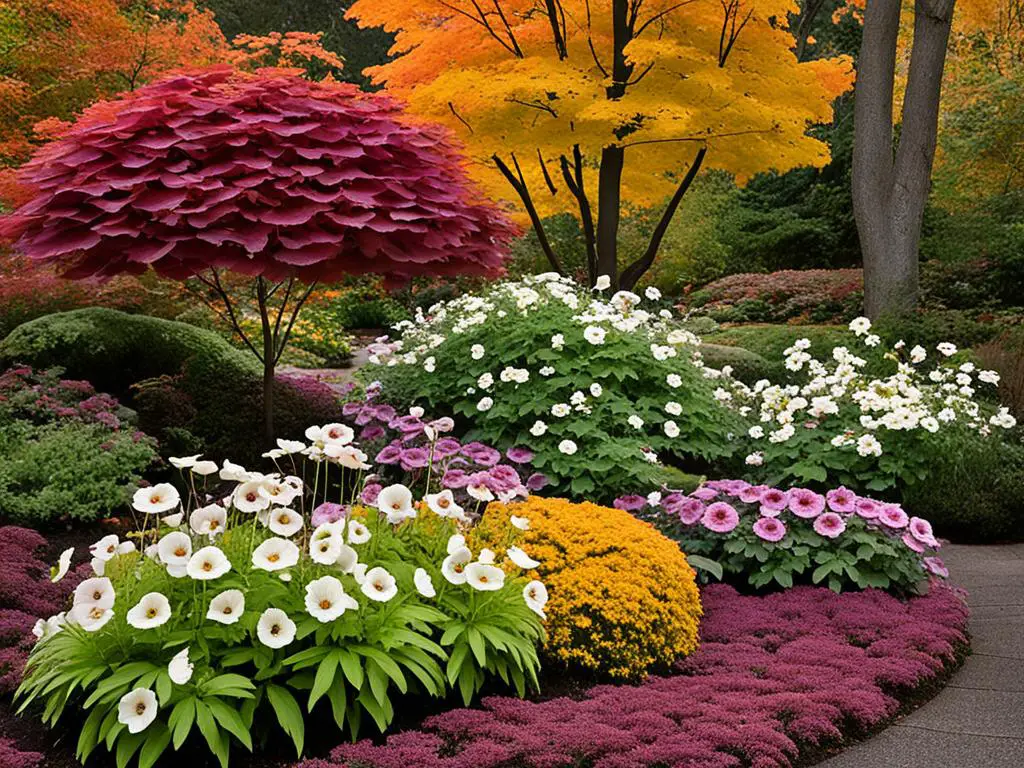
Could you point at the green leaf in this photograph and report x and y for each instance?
(180, 722)
(339, 701)
(214, 738)
(157, 739)
(324, 678)
(228, 684)
(289, 715)
(352, 666)
(476, 643)
(127, 746)
(706, 564)
(230, 720)
(89, 737)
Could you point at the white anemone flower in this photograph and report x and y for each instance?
(285, 522)
(486, 556)
(520, 558)
(63, 564)
(423, 582)
(158, 499)
(91, 618)
(480, 492)
(522, 523)
(603, 283)
(337, 434)
(347, 558)
(96, 592)
(278, 491)
(456, 542)
(288, 447)
(247, 497)
(105, 548)
(347, 456)
(484, 577)
(235, 473)
(395, 501)
(325, 550)
(359, 572)
(358, 533)
(175, 549)
(326, 599)
(275, 554)
(47, 628)
(209, 520)
(173, 521)
(568, 447)
(180, 669)
(204, 468)
(536, 596)
(454, 566)
(152, 611)
(379, 585)
(275, 629)
(208, 563)
(184, 462)
(227, 607)
(443, 504)
(137, 709)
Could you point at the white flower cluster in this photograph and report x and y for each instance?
(593, 319)
(188, 549)
(839, 389)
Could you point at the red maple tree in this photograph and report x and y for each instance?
(264, 174)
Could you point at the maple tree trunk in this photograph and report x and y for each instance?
(609, 190)
(890, 189)
(269, 362)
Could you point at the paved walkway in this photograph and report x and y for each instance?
(977, 721)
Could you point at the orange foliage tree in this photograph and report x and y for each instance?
(59, 56)
(585, 107)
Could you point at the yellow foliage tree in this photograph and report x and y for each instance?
(585, 107)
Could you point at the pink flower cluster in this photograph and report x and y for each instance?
(42, 396)
(768, 510)
(26, 594)
(773, 674)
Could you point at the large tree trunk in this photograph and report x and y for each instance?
(890, 189)
(608, 208)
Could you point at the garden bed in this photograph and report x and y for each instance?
(778, 680)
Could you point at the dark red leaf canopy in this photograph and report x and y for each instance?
(264, 174)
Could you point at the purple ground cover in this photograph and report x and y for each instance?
(26, 594)
(773, 674)
(12, 757)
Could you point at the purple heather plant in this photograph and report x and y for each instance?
(774, 675)
(766, 536)
(415, 447)
(26, 593)
(12, 757)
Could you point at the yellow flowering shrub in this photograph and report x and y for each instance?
(622, 598)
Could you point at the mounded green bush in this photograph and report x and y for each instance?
(215, 389)
(973, 494)
(747, 366)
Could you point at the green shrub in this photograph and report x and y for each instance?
(770, 342)
(931, 327)
(599, 390)
(746, 366)
(68, 470)
(68, 452)
(973, 491)
(219, 391)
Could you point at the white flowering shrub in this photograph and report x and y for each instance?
(601, 390)
(242, 603)
(835, 423)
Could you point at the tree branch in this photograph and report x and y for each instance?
(635, 271)
(291, 322)
(519, 185)
(574, 181)
(215, 284)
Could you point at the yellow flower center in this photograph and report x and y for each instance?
(325, 604)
